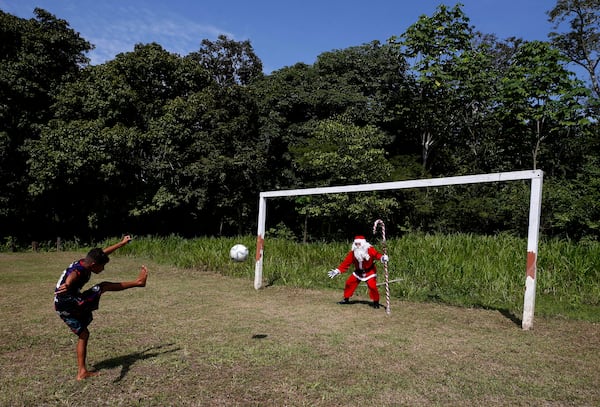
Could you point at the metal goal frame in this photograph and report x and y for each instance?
(535, 206)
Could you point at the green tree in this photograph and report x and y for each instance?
(230, 62)
(131, 89)
(435, 45)
(361, 83)
(342, 153)
(82, 177)
(571, 205)
(581, 44)
(158, 136)
(204, 162)
(36, 57)
(97, 141)
(542, 98)
(475, 78)
(579, 41)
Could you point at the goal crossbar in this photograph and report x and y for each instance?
(535, 201)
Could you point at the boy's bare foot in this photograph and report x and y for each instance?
(142, 277)
(85, 374)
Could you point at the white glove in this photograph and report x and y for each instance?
(333, 273)
(385, 258)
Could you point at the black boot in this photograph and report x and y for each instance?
(375, 304)
(344, 301)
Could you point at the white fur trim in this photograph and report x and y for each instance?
(364, 278)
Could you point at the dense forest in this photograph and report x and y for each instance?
(158, 143)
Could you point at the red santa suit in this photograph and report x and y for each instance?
(362, 256)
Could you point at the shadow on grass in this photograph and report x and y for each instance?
(505, 312)
(363, 302)
(259, 336)
(517, 321)
(126, 361)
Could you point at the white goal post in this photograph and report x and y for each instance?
(535, 206)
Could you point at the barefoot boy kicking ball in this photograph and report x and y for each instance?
(75, 307)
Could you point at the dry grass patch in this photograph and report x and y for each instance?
(194, 338)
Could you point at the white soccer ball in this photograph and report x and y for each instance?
(238, 252)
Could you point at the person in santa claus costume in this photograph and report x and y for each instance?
(362, 255)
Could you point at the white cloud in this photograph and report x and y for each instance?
(124, 27)
(113, 27)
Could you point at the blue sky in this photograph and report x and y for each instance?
(282, 32)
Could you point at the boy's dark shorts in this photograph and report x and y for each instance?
(76, 311)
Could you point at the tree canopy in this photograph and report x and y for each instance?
(154, 142)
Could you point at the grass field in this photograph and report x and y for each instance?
(197, 338)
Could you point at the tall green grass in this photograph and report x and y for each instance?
(462, 269)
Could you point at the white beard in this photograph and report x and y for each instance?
(362, 252)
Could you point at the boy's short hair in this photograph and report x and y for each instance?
(98, 256)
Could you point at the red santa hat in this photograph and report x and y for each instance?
(359, 237)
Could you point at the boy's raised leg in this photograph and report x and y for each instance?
(139, 282)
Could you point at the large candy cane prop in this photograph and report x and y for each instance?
(379, 222)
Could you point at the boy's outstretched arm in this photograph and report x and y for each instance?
(126, 239)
